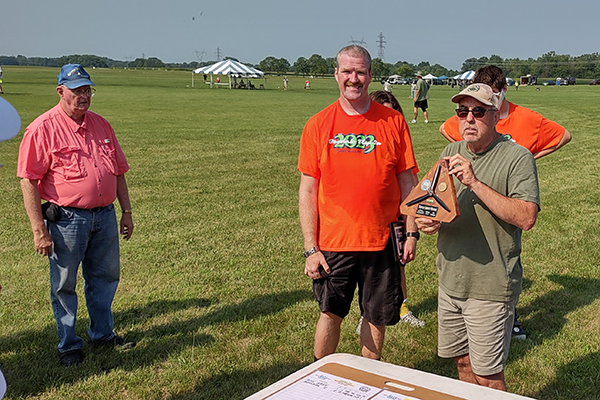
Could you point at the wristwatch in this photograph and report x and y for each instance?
(416, 235)
(311, 251)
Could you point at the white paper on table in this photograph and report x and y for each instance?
(386, 395)
(323, 386)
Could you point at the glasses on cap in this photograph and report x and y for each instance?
(478, 112)
(79, 92)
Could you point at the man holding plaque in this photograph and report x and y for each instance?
(539, 135)
(479, 265)
(356, 160)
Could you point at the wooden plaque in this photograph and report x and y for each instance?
(434, 197)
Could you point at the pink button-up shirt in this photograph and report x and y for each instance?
(76, 166)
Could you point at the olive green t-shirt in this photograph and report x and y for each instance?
(423, 88)
(479, 254)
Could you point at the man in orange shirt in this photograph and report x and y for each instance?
(539, 135)
(70, 157)
(356, 160)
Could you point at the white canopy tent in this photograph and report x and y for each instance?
(229, 68)
(465, 75)
(429, 78)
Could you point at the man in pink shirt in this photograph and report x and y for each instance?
(70, 157)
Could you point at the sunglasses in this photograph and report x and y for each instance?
(478, 112)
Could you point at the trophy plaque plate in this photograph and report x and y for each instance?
(434, 197)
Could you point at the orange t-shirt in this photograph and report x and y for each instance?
(356, 159)
(524, 126)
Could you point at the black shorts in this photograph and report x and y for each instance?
(377, 276)
(421, 104)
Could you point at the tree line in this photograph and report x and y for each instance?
(548, 65)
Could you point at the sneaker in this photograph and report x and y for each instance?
(426, 121)
(414, 121)
(118, 341)
(518, 332)
(359, 327)
(410, 318)
(71, 358)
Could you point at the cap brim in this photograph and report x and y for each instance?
(78, 83)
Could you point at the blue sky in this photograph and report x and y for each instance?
(443, 32)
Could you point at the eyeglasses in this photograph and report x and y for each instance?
(478, 112)
(79, 92)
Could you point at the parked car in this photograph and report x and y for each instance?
(567, 81)
(549, 83)
(395, 80)
(510, 82)
(595, 82)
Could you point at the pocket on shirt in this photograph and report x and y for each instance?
(109, 158)
(67, 162)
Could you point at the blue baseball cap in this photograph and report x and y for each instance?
(74, 76)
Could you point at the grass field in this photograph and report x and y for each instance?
(212, 284)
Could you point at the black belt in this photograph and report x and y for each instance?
(95, 209)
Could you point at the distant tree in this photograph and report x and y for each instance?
(231, 58)
(153, 62)
(331, 63)
(406, 71)
(317, 65)
(281, 65)
(266, 65)
(22, 60)
(495, 60)
(301, 66)
(423, 66)
(380, 68)
(470, 64)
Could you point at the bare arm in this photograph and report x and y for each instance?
(566, 138)
(406, 181)
(416, 95)
(126, 228)
(444, 134)
(31, 197)
(307, 195)
(517, 212)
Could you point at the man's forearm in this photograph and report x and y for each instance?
(307, 203)
(123, 193)
(32, 201)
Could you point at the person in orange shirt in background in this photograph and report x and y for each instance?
(406, 316)
(356, 162)
(539, 135)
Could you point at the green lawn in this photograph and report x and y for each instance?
(212, 284)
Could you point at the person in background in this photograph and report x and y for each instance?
(406, 316)
(420, 97)
(351, 187)
(70, 157)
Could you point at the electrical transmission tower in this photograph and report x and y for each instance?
(381, 46)
(218, 54)
(200, 55)
(359, 42)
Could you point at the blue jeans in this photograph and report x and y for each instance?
(89, 238)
